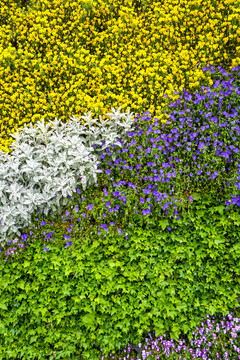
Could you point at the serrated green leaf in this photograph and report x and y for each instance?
(196, 196)
(158, 329)
(3, 306)
(26, 263)
(33, 339)
(163, 224)
(88, 319)
(21, 284)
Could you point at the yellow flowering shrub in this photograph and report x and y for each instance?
(64, 58)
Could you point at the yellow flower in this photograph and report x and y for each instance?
(125, 62)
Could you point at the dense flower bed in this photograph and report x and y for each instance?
(71, 58)
(65, 58)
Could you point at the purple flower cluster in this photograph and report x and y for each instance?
(207, 343)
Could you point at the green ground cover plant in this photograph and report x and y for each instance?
(154, 244)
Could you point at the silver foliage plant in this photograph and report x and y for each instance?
(46, 165)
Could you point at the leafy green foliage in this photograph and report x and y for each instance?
(108, 292)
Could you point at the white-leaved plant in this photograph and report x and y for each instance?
(46, 165)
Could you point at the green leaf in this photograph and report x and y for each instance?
(21, 284)
(3, 306)
(217, 208)
(163, 224)
(159, 328)
(88, 319)
(56, 262)
(95, 243)
(26, 263)
(33, 339)
(196, 196)
(98, 276)
(67, 272)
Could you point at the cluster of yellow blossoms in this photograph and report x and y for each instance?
(61, 58)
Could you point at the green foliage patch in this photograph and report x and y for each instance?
(106, 291)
